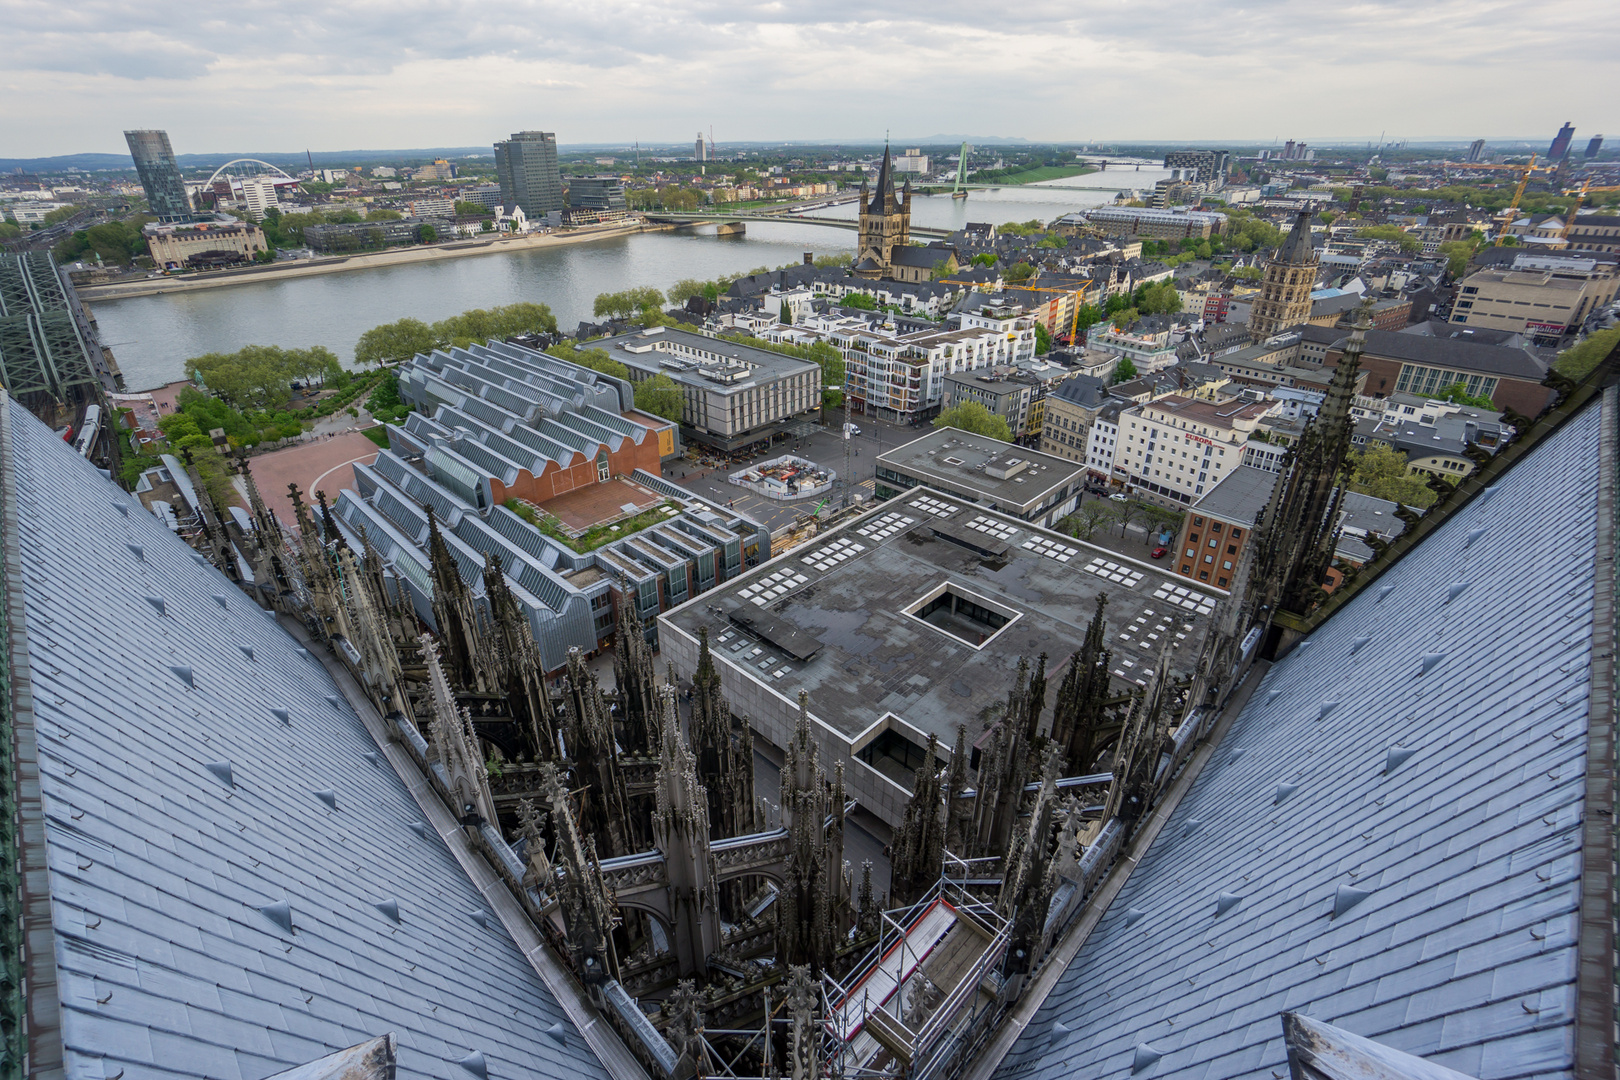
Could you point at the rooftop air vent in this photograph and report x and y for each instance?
(1325, 708)
(158, 605)
(389, 908)
(121, 507)
(1473, 534)
(1145, 1058)
(327, 796)
(279, 913)
(1383, 591)
(1397, 755)
(1059, 1032)
(1430, 659)
(1283, 792)
(419, 828)
(1360, 643)
(1348, 897)
(1455, 590)
(137, 551)
(558, 1033)
(474, 1063)
(1226, 902)
(219, 598)
(1134, 915)
(247, 651)
(283, 715)
(222, 770)
(183, 673)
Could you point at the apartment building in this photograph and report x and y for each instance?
(1176, 448)
(1220, 524)
(1071, 408)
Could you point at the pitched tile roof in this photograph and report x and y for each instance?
(1420, 883)
(187, 825)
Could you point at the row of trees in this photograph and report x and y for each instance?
(642, 301)
(396, 342)
(258, 377)
(118, 243)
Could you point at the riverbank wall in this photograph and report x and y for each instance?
(257, 275)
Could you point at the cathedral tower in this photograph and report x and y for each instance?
(885, 223)
(1285, 291)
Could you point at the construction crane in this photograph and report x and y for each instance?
(1513, 207)
(1575, 208)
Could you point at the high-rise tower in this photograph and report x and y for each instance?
(526, 165)
(1561, 141)
(160, 174)
(1285, 291)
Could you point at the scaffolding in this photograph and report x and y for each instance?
(923, 994)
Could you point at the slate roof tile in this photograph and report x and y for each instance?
(1465, 847)
(156, 870)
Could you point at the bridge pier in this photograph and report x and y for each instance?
(731, 228)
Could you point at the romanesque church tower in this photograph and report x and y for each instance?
(1285, 292)
(885, 223)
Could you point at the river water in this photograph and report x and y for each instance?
(153, 336)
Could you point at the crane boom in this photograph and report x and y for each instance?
(1513, 207)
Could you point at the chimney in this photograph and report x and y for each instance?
(809, 258)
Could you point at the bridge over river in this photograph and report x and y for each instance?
(740, 217)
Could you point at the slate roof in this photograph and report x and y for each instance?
(1454, 353)
(178, 805)
(1439, 810)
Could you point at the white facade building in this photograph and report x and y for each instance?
(1102, 441)
(1175, 449)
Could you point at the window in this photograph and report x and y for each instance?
(1236, 533)
(602, 470)
(1221, 582)
(1226, 564)
(1231, 549)
(1215, 527)
(1209, 558)
(1186, 568)
(1203, 575)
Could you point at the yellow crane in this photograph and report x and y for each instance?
(1513, 207)
(1580, 197)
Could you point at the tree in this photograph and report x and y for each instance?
(1393, 233)
(1043, 340)
(1125, 370)
(1157, 298)
(1458, 253)
(495, 324)
(261, 376)
(1578, 361)
(9, 230)
(858, 300)
(685, 289)
(973, 417)
(660, 396)
(1457, 394)
(827, 262)
(395, 342)
(473, 209)
(785, 316)
(984, 259)
(426, 233)
(1018, 273)
(1090, 517)
(1382, 472)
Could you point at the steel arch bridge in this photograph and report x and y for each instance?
(265, 168)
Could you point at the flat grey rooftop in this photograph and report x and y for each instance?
(659, 350)
(846, 591)
(962, 461)
(1240, 496)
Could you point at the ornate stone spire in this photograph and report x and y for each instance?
(810, 911)
(588, 737)
(516, 661)
(725, 753)
(919, 843)
(802, 1002)
(1082, 696)
(214, 539)
(680, 825)
(270, 569)
(540, 874)
(1027, 884)
(454, 612)
(868, 915)
(1004, 769)
(1299, 528)
(634, 673)
(1142, 741)
(684, 1007)
(586, 906)
(456, 746)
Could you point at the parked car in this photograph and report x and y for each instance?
(1120, 496)
(1160, 552)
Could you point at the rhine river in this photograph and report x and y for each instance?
(153, 336)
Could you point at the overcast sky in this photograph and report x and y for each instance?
(290, 74)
